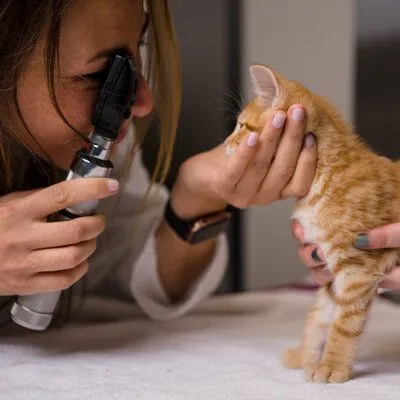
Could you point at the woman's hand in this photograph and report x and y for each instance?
(39, 256)
(278, 163)
(387, 236)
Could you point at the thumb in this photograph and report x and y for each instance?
(387, 236)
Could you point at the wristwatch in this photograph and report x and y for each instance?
(198, 229)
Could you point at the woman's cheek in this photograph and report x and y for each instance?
(77, 107)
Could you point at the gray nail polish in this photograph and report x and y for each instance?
(361, 242)
(315, 256)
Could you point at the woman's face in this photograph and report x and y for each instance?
(90, 29)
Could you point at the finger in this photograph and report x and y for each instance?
(54, 281)
(284, 164)
(304, 174)
(387, 236)
(321, 275)
(310, 255)
(17, 195)
(259, 164)
(297, 230)
(392, 281)
(65, 194)
(50, 260)
(238, 163)
(47, 235)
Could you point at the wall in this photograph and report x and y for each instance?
(311, 41)
(378, 79)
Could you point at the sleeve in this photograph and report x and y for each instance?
(150, 295)
(126, 258)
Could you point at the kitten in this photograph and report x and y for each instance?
(354, 190)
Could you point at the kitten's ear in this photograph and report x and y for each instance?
(265, 83)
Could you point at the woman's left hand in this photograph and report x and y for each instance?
(278, 163)
(387, 236)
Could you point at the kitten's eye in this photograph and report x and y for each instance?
(237, 128)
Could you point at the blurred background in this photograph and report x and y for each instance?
(346, 50)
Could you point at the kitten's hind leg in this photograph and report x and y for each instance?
(352, 291)
(310, 349)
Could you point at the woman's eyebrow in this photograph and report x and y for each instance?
(107, 53)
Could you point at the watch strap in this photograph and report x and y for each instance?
(184, 228)
(179, 225)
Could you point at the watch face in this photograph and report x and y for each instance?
(210, 231)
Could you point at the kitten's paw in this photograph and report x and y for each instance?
(327, 373)
(292, 358)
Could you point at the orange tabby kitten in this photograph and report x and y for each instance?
(354, 190)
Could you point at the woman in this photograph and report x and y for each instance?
(53, 54)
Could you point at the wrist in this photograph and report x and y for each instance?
(188, 205)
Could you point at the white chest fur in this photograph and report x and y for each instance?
(307, 215)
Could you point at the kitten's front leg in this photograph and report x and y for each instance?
(352, 292)
(308, 354)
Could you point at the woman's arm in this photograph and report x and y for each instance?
(181, 264)
(210, 180)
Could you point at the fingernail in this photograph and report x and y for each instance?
(113, 185)
(310, 140)
(252, 139)
(315, 256)
(361, 242)
(298, 114)
(279, 120)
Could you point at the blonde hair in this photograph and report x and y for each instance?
(22, 25)
(163, 72)
(16, 45)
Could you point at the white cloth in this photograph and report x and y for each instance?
(124, 264)
(228, 348)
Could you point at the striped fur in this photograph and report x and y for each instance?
(354, 190)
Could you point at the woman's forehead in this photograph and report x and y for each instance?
(90, 26)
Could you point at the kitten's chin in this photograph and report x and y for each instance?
(230, 151)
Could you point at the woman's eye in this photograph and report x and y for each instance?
(98, 77)
(143, 42)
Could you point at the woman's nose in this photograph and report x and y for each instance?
(144, 99)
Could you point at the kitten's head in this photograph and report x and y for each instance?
(274, 92)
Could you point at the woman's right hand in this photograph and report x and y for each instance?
(40, 256)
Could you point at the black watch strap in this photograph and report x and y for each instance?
(180, 226)
(197, 229)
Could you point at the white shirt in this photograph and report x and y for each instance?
(124, 264)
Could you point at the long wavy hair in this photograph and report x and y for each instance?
(22, 24)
